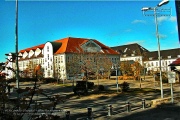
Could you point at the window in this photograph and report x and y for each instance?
(48, 64)
(152, 64)
(47, 48)
(61, 59)
(56, 59)
(48, 56)
(48, 72)
(67, 58)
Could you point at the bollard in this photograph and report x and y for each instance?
(67, 115)
(128, 106)
(89, 110)
(109, 110)
(143, 103)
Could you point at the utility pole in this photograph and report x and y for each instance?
(16, 46)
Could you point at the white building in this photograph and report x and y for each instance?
(167, 57)
(54, 56)
(150, 59)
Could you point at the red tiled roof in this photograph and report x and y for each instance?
(106, 49)
(175, 63)
(74, 45)
(32, 48)
(69, 45)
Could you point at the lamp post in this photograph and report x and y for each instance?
(16, 46)
(163, 2)
(115, 66)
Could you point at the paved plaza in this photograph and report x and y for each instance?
(99, 103)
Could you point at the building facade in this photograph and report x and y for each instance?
(57, 58)
(148, 59)
(64, 58)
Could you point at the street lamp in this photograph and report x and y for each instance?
(163, 2)
(157, 35)
(115, 66)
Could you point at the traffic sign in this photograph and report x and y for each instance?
(171, 77)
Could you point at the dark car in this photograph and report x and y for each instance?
(80, 87)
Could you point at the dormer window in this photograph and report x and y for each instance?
(160, 57)
(169, 56)
(150, 58)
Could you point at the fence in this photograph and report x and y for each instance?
(107, 110)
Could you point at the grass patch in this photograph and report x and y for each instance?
(64, 85)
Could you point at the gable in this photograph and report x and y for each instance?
(91, 46)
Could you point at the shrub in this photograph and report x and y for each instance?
(49, 80)
(90, 85)
(124, 86)
(164, 77)
(100, 87)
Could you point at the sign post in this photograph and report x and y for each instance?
(171, 80)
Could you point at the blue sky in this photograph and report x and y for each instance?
(112, 23)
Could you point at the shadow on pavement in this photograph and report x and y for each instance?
(161, 112)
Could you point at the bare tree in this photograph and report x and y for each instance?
(106, 65)
(137, 69)
(125, 67)
(73, 65)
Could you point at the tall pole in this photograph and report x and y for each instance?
(159, 55)
(117, 79)
(163, 2)
(16, 45)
